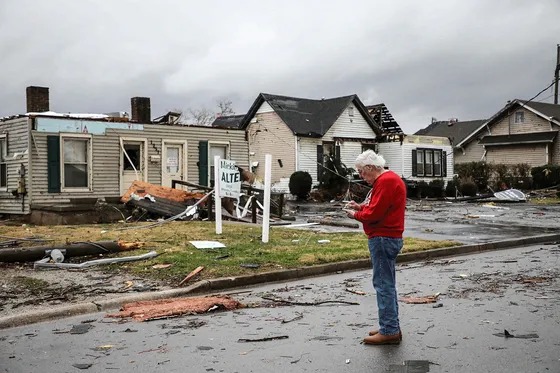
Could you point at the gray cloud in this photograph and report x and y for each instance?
(423, 59)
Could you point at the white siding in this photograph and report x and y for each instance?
(349, 150)
(308, 156)
(350, 127)
(17, 134)
(265, 108)
(399, 157)
(531, 123)
(532, 154)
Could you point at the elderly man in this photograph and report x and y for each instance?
(382, 215)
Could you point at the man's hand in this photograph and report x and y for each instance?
(352, 205)
(350, 213)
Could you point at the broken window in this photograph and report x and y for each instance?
(3, 165)
(519, 117)
(75, 170)
(133, 161)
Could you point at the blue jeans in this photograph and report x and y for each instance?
(383, 252)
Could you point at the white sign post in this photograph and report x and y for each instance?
(230, 179)
(217, 194)
(266, 200)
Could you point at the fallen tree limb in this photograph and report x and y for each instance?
(34, 253)
(244, 340)
(334, 223)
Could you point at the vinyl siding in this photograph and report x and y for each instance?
(106, 157)
(532, 154)
(350, 127)
(17, 132)
(270, 135)
(531, 123)
(308, 156)
(399, 157)
(473, 152)
(349, 150)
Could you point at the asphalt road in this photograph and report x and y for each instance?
(481, 296)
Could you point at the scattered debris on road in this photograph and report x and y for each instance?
(266, 339)
(193, 273)
(420, 300)
(167, 308)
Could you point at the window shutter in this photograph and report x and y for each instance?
(203, 163)
(414, 170)
(53, 164)
(337, 152)
(319, 161)
(444, 163)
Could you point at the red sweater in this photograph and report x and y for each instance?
(382, 213)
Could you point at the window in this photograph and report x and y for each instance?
(351, 111)
(3, 165)
(428, 162)
(220, 149)
(519, 117)
(420, 162)
(134, 152)
(75, 162)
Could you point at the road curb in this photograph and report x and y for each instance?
(206, 286)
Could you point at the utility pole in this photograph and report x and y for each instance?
(556, 74)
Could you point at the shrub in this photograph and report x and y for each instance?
(468, 187)
(478, 172)
(452, 187)
(546, 176)
(423, 189)
(435, 188)
(300, 184)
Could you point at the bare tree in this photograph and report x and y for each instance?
(204, 116)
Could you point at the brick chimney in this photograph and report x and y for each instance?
(141, 109)
(37, 99)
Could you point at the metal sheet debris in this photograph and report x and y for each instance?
(207, 244)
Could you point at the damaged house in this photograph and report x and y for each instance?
(53, 162)
(300, 132)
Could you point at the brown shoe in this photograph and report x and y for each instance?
(382, 339)
(376, 331)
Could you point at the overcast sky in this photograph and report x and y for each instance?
(423, 59)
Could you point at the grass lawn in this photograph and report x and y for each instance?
(287, 248)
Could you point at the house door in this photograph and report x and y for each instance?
(216, 149)
(133, 162)
(173, 164)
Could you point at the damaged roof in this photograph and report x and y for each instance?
(389, 124)
(308, 117)
(228, 121)
(454, 131)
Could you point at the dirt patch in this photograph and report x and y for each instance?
(24, 289)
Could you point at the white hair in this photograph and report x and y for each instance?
(370, 158)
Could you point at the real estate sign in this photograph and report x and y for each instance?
(230, 179)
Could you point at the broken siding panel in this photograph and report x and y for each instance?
(354, 126)
(308, 156)
(270, 135)
(17, 135)
(532, 154)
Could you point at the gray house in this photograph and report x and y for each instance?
(49, 160)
